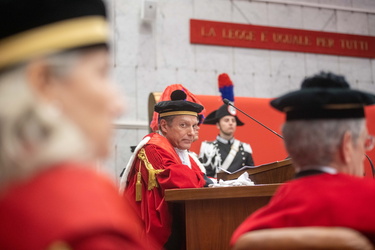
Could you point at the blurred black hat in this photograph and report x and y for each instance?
(178, 106)
(324, 96)
(224, 110)
(32, 28)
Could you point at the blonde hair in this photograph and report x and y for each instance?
(34, 135)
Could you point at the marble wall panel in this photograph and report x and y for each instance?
(356, 70)
(287, 63)
(147, 42)
(340, 3)
(199, 82)
(125, 18)
(146, 82)
(371, 24)
(252, 61)
(250, 12)
(269, 86)
(125, 80)
(316, 63)
(264, 85)
(352, 23)
(243, 84)
(215, 58)
(165, 77)
(283, 15)
(212, 10)
(300, 1)
(282, 84)
(173, 35)
(319, 19)
(364, 4)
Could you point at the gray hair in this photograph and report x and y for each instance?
(313, 143)
(33, 133)
(168, 119)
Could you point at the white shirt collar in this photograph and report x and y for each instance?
(222, 140)
(328, 170)
(184, 156)
(325, 169)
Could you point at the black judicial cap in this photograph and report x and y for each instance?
(177, 106)
(224, 110)
(31, 28)
(324, 96)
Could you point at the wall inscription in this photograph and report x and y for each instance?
(274, 38)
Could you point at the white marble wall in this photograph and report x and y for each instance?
(149, 55)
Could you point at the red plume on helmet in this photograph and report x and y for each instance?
(226, 90)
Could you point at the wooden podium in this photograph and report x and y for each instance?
(210, 215)
(275, 172)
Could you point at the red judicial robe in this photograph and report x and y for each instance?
(318, 200)
(152, 208)
(67, 203)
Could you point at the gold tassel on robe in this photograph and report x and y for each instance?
(152, 182)
(138, 185)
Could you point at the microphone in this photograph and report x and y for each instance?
(227, 102)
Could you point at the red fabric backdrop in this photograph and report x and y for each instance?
(267, 147)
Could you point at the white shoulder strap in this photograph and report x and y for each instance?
(232, 153)
(130, 163)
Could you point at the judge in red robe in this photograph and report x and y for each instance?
(326, 137)
(161, 162)
(322, 199)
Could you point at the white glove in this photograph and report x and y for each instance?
(243, 180)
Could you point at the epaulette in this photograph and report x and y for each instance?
(247, 148)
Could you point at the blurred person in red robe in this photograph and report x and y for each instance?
(326, 136)
(56, 110)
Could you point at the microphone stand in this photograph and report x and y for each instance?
(227, 102)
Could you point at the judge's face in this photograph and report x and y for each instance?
(181, 131)
(87, 97)
(227, 125)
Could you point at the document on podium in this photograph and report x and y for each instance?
(238, 170)
(287, 161)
